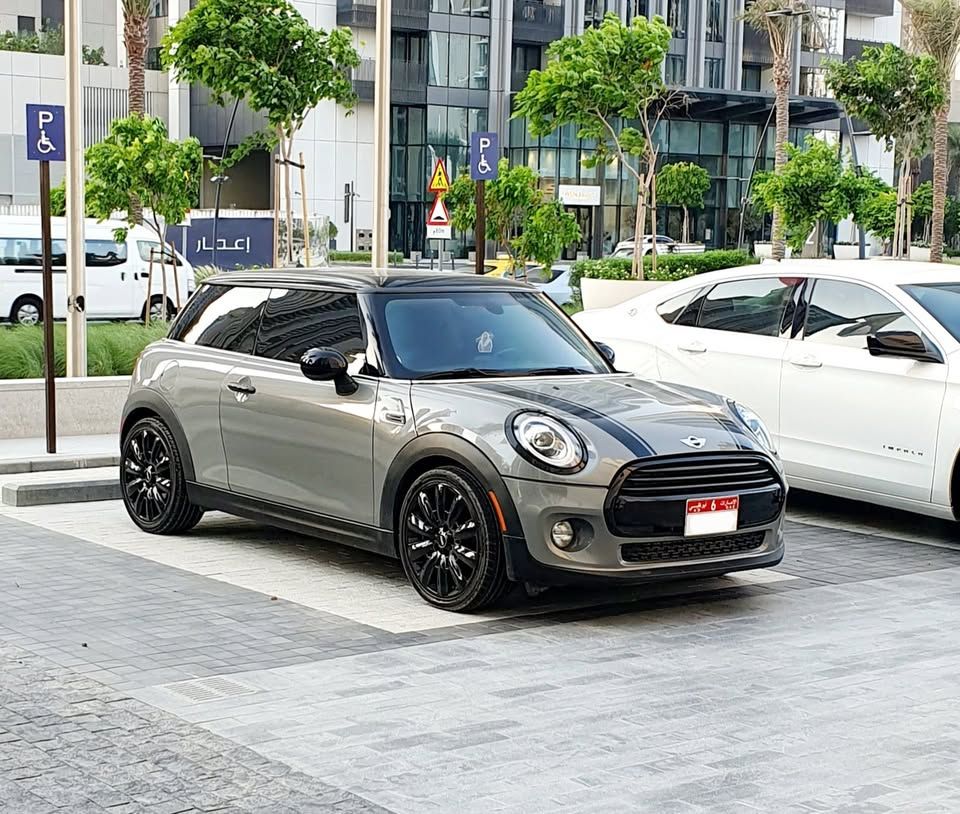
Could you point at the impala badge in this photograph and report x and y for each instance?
(693, 442)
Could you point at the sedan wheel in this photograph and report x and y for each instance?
(450, 544)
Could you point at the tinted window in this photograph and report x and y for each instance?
(670, 310)
(296, 321)
(25, 251)
(146, 248)
(846, 314)
(943, 301)
(747, 306)
(225, 317)
(106, 253)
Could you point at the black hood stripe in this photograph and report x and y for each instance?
(623, 434)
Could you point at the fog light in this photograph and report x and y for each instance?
(563, 534)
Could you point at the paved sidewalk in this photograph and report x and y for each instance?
(70, 445)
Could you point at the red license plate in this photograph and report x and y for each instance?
(712, 515)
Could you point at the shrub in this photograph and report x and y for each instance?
(112, 349)
(669, 266)
(363, 257)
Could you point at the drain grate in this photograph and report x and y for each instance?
(199, 690)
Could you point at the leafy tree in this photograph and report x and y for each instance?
(762, 16)
(264, 53)
(897, 94)
(803, 190)
(683, 184)
(517, 217)
(934, 28)
(854, 189)
(922, 204)
(878, 215)
(137, 158)
(598, 80)
(58, 201)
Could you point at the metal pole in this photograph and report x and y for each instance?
(48, 371)
(76, 253)
(381, 137)
(306, 222)
(481, 226)
(220, 180)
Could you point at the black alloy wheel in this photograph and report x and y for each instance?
(152, 482)
(450, 543)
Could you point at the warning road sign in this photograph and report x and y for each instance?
(439, 181)
(439, 216)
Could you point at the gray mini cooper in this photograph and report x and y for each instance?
(462, 424)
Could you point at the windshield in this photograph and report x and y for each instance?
(479, 333)
(942, 300)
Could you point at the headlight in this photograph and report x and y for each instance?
(755, 423)
(546, 442)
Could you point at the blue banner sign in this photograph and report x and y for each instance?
(241, 242)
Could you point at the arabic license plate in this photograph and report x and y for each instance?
(712, 515)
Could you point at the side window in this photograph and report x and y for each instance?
(105, 253)
(224, 317)
(747, 306)
(24, 251)
(146, 247)
(671, 310)
(297, 320)
(845, 314)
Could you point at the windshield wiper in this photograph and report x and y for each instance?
(558, 371)
(462, 373)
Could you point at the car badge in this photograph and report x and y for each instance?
(693, 442)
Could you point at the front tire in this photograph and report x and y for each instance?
(27, 310)
(450, 543)
(152, 482)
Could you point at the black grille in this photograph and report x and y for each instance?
(692, 548)
(693, 475)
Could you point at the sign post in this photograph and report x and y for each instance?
(46, 142)
(484, 155)
(438, 218)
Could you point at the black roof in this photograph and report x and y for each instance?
(363, 279)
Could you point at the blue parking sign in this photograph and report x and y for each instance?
(46, 133)
(484, 156)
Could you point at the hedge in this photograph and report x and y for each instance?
(112, 349)
(669, 266)
(393, 258)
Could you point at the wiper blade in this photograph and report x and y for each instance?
(462, 373)
(559, 371)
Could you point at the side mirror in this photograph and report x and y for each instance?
(903, 345)
(325, 365)
(608, 353)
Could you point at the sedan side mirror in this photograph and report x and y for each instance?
(608, 353)
(903, 345)
(326, 364)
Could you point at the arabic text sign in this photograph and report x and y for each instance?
(241, 242)
(46, 133)
(484, 154)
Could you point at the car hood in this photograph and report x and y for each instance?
(622, 418)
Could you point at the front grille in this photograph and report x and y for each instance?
(693, 548)
(691, 475)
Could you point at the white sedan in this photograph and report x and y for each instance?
(854, 366)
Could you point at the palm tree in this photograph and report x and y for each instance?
(934, 28)
(136, 16)
(775, 19)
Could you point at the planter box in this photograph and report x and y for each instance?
(920, 254)
(841, 252)
(765, 251)
(607, 293)
(89, 406)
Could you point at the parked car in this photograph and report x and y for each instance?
(458, 422)
(117, 274)
(665, 245)
(854, 367)
(554, 282)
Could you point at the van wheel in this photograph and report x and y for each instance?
(27, 310)
(156, 309)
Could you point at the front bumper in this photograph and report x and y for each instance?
(534, 558)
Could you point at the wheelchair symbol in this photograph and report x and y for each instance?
(44, 145)
(483, 165)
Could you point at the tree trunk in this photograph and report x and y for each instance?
(286, 147)
(686, 225)
(941, 130)
(135, 41)
(782, 76)
(638, 233)
(653, 220)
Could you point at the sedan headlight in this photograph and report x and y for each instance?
(546, 442)
(755, 424)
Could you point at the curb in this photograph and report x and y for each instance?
(20, 466)
(42, 494)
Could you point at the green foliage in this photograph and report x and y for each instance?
(922, 201)
(58, 202)
(394, 258)
(853, 189)
(803, 190)
(878, 214)
(683, 184)
(517, 217)
(895, 92)
(112, 349)
(266, 53)
(47, 41)
(138, 159)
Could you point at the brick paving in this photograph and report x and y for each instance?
(832, 687)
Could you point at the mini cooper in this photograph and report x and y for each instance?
(462, 424)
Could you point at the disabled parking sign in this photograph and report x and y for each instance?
(46, 133)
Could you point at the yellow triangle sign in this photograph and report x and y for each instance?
(439, 181)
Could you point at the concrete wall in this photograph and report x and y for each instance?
(90, 406)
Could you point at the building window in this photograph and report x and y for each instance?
(638, 8)
(409, 46)
(677, 17)
(459, 60)
(448, 134)
(675, 70)
(593, 11)
(812, 82)
(462, 8)
(26, 25)
(823, 30)
(713, 72)
(716, 20)
(153, 59)
(159, 9)
(752, 78)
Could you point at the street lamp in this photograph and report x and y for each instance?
(381, 136)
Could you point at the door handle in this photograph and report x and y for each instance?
(806, 361)
(243, 387)
(693, 347)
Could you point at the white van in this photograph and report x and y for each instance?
(117, 273)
